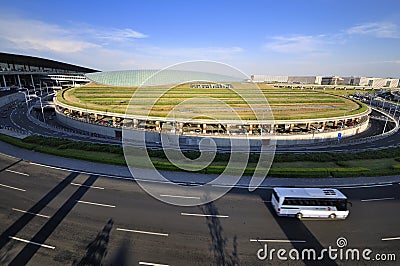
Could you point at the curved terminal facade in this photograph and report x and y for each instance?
(285, 132)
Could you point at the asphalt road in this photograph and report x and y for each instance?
(114, 222)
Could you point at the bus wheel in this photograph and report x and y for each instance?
(332, 216)
(299, 215)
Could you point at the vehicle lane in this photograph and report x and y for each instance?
(87, 230)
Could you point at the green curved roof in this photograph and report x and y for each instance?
(155, 77)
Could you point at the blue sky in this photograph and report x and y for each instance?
(314, 37)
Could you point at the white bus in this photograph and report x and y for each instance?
(310, 202)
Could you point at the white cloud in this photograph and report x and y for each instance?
(297, 44)
(119, 34)
(376, 29)
(25, 34)
(102, 48)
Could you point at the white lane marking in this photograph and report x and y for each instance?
(30, 242)
(97, 204)
(267, 201)
(366, 186)
(240, 186)
(181, 197)
(277, 240)
(391, 238)
(141, 232)
(366, 200)
(81, 172)
(36, 214)
(3, 154)
(16, 172)
(216, 185)
(80, 185)
(151, 264)
(15, 188)
(204, 215)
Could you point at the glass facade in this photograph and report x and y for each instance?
(138, 77)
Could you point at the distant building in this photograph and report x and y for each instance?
(371, 82)
(269, 79)
(30, 72)
(305, 79)
(287, 79)
(334, 80)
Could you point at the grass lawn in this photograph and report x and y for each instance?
(285, 103)
(112, 154)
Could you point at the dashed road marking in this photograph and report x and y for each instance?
(277, 240)
(36, 214)
(10, 187)
(30, 242)
(80, 185)
(16, 172)
(96, 204)
(204, 215)
(141, 232)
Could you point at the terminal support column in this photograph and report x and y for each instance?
(19, 81)
(180, 126)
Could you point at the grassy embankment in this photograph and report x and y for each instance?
(369, 163)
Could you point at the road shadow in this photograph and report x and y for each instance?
(121, 257)
(26, 254)
(295, 229)
(97, 249)
(19, 224)
(218, 240)
(6, 254)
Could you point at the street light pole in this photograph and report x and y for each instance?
(394, 115)
(41, 106)
(385, 125)
(26, 100)
(383, 105)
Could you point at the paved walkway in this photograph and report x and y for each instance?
(183, 177)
